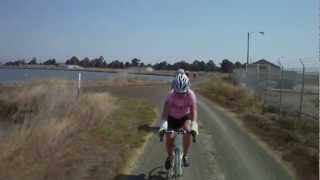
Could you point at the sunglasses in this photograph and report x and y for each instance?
(180, 93)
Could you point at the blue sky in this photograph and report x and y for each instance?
(155, 30)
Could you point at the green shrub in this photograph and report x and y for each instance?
(270, 109)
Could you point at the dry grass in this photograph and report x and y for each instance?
(117, 146)
(46, 142)
(120, 82)
(296, 139)
(228, 95)
(56, 135)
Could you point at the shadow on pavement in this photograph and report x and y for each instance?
(131, 177)
(155, 174)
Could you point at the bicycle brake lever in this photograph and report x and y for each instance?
(194, 139)
(161, 136)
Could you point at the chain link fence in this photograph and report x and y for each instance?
(289, 86)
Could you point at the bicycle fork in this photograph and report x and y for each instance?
(178, 154)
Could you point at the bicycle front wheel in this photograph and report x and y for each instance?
(178, 165)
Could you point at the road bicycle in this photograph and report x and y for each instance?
(176, 167)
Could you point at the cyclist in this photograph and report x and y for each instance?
(179, 111)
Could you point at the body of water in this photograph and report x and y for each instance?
(22, 75)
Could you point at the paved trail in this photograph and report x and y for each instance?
(223, 151)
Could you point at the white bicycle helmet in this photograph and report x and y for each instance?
(180, 71)
(181, 83)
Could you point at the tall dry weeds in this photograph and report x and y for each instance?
(229, 95)
(48, 138)
(297, 139)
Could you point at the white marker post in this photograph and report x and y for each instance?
(79, 83)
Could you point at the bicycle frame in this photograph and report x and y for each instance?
(178, 151)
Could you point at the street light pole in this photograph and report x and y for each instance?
(248, 46)
(281, 80)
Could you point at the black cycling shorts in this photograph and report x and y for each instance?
(174, 124)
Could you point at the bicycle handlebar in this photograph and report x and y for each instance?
(194, 139)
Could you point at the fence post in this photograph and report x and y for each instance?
(281, 78)
(302, 89)
(79, 84)
(258, 72)
(268, 80)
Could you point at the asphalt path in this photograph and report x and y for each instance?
(224, 151)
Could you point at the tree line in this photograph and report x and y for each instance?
(197, 65)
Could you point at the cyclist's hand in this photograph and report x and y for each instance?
(194, 127)
(163, 126)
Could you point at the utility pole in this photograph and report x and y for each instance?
(281, 79)
(302, 89)
(248, 46)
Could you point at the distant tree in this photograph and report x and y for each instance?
(161, 65)
(181, 64)
(135, 62)
(93, 62)
(98, 62)
(21, 62)
(73, 61)
(195, 66)
(142, 64)
(198, 65)
(127, 64)
(226, 66)
(85, 62)
(33, 61)
(16, 63)
(210, 66)
(114, 64)
(50, 62)
(8, 63)
(202, 66)
(238, 65)
(102, 62)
